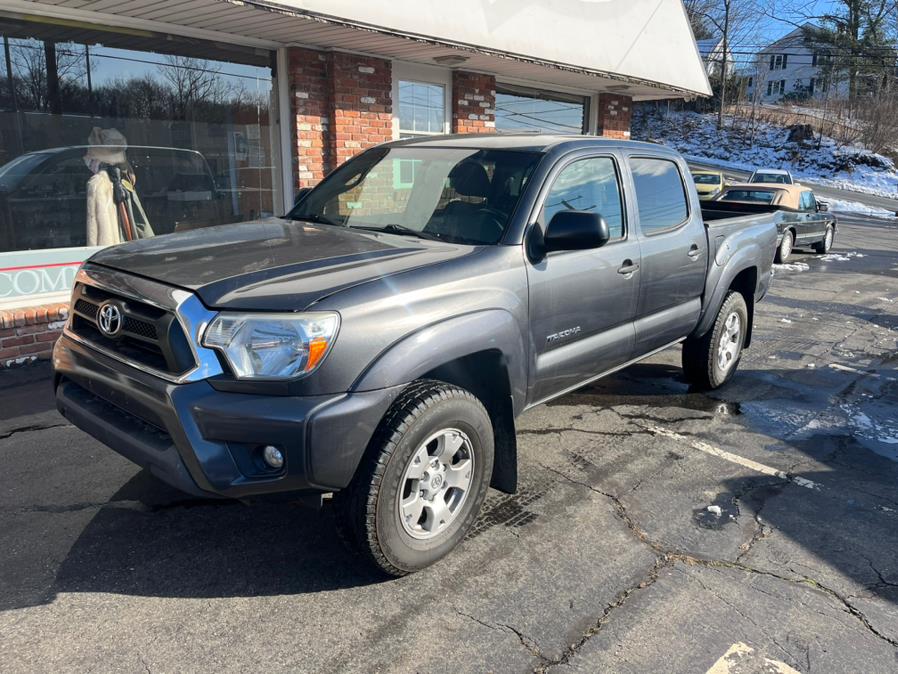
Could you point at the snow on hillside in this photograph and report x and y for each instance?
(696, 136)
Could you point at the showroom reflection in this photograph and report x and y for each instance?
(110, 137)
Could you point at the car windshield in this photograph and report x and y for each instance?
(460, 195)
(705, 179)
(776, 178)
(12, 173)
(759, 196)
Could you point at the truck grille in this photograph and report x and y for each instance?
(149, 335)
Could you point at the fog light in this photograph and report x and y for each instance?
(273, 456)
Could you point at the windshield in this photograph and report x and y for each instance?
(759, 196)
(705, 179)
(461, 195)
(776, 178)
(13, 172)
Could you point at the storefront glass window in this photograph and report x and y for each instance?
(107, 137)
(524, 109)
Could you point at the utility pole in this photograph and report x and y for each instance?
(723, 61)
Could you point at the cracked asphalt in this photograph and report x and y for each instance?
(656, 529)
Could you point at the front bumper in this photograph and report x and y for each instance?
(203, 441)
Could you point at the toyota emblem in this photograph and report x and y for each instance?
(109, 319)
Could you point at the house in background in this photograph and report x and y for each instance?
(711, 51)
(789, 67)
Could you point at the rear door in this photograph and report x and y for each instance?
(582, 302)
(674, 246)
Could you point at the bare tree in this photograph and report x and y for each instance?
(737, 23)
(194, 81)
(44, 69)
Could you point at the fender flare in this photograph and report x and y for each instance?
(437, 344)
(745, 258)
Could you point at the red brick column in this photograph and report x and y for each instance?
(362, 104)
(310, 92)
(28, 334)
(341, 105)
(473, 102)
(614, 116)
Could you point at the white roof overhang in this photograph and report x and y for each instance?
(641, 49)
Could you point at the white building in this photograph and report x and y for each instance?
(789, 66)
(711, 51)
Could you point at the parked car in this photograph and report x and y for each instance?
(806, 221)
(708, 184)
(43, 194)
(771, 177)
(379, 341)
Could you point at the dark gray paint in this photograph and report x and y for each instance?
(408, 306)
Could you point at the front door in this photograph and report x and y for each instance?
(582, 302)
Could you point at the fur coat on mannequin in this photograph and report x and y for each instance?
(102, 220)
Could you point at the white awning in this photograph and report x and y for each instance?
(640, 48)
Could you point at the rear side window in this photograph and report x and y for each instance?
(588, 185)
(660, 195)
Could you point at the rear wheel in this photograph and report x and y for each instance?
(423, 480)
(822, 247)
(711, 360)
(785, 247)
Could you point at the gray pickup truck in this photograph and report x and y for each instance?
(380, 340)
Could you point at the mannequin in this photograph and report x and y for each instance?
(108, 221)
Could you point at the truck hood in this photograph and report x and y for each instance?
(273, 264)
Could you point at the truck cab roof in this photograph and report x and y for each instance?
(529, 142)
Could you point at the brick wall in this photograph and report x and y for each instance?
(473, 102)
(29, 334)
(614, 116)
(341, 105)
(311, 100)
(363, 110)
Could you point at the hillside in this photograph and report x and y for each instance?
(695, 135)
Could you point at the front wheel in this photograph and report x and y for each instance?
(822, 247)
(422, 481)
(711, 360)
(785, 248)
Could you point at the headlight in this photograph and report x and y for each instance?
(273, 346)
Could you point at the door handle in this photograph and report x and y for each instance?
(694, 252)
(628, 267)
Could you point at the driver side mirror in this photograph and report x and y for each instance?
(822, 207)
(576, 230)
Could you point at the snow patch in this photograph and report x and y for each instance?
(840, 257)
(791, 266)
(843, 206)
(696, 136)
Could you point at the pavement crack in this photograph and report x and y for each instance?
(32, 428)
(667, 556)
(528, 643)
(646, 581)
(559, 431)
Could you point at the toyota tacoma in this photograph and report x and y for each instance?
(378, 342)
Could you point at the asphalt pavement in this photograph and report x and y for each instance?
(656, 528)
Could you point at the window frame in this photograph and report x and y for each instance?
(536, 211)
(686, 198)
(421, 74)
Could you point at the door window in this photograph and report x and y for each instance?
(660, 194)
(588, 185)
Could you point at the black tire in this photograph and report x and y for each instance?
(367, 511)
(784, 250)
(824, 246)
(701, 365)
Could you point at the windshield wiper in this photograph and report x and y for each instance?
(397, 229)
